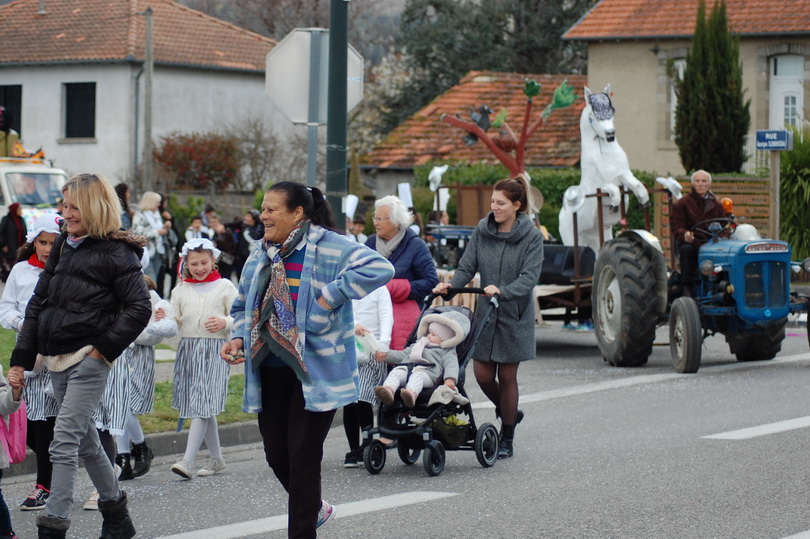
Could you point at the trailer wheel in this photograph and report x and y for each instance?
(685, 337)
(625, 309)
(758, 346)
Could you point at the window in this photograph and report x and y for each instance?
(80, 110)
(786, 103)
(11, 99)
(791, 112)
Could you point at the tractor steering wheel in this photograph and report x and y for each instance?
(699, 227)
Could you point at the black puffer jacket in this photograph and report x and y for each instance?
(93, 294)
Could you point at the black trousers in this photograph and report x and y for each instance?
(39, 438)
(293, 446)
(688, 258)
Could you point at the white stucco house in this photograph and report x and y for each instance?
(632, 43)
(71, 75)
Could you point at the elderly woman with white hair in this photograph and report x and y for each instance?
(414, 272)
(148, 222)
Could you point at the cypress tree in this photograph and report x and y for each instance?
(712, 116)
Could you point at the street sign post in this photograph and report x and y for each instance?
(296, 76)
(774, 141)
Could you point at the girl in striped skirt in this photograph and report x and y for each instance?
(38, 395)
(202, 306)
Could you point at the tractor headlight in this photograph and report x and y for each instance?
(707, 267)
(806, 264)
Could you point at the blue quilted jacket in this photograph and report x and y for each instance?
(340, 270)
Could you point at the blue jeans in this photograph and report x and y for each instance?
(78, 390)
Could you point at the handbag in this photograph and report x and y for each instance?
(13, 432)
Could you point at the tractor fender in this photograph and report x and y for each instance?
(649, 242)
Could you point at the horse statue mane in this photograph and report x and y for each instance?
(604, 166)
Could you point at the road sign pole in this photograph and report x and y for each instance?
(314, 92)
(776, 179)
(336, 138)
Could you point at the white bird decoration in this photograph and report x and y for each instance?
(672, 185)
(435, 176)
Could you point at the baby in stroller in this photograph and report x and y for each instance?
(434, 356)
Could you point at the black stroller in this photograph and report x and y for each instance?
(437, 427)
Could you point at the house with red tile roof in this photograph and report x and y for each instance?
(424, 137)
(71, 72)
(631, 43)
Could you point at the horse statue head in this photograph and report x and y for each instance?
(599, 114)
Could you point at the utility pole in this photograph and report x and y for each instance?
(149, 61)
(336, 137)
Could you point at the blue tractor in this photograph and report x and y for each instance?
(743, 293)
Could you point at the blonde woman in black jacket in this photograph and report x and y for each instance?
(89, 304)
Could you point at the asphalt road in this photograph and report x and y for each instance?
(602, 452)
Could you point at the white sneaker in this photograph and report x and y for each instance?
(92, 503)
(183, 469)
(213, 467)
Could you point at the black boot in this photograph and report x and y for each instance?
(505, 449)
(50, 527)
(117, 524)
(520, 414)
(143, 455)
(123, 461)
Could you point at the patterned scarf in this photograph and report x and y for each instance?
(273, 328)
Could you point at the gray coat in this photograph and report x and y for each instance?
(511, 261)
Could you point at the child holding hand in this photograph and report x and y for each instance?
(10, 399)
(202, 306)
(434, 355)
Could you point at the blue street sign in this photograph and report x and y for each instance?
(774, 140)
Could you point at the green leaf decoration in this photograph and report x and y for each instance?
(499, 119)
(564, 96)
(531, 88)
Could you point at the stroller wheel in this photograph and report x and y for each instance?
(433, 459)
(486, 445)
(408, 453)
(374, 457)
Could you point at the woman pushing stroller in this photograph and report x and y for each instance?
(434, 354)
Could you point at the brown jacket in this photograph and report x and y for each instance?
(691, 210)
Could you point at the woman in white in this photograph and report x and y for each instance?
(372, 314)
(41, 406)
(148, 222)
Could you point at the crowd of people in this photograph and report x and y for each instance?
(84, 359)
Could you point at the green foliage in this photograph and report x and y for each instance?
(551, 182)
(198, 159)
(183, 213)
(164, 417)
(712, 116)
(445, 39)
(795, 195)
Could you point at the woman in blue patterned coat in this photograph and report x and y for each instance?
(293, 321)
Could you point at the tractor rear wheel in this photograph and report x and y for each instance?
(625, 306)
(758, 346)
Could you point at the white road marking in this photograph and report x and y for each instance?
(642, 379)
(800, 535)
(279, 522)
(762, 430)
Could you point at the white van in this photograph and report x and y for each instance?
(31, 182)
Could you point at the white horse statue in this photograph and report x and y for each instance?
(604, 166)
